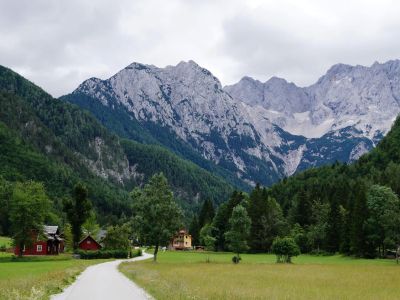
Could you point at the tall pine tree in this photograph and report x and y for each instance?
(194, 231)
(256, 210)
(334, 226)
(206, 214)
(359, 215)
(303, 209)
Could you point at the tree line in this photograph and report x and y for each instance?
(366, 227)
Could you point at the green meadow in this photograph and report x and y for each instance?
(37, 277)
(5, 241)
(187, 275)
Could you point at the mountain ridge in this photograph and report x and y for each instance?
(357, 78)
(238, 131)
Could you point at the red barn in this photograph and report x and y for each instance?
(48, 242)
(89, 243)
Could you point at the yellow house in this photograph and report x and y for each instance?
(181, 241)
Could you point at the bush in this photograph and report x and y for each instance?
(135, 253)
(104, 254)
(236, 259)
(285, 249)
(3, 248)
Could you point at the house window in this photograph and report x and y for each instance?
(23, 249)
(39, 248)
(87, 242)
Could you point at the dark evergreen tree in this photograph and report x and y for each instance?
(334, 226)
(257, 210)
(359, 215)
(194, 231)
(6, 190)
(346, 229)
(206, 214)
(78, 210)
(303, 210)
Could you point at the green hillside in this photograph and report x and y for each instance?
(51, 141)
(183, 174)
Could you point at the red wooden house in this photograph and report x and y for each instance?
(48, 242)
(89, 243)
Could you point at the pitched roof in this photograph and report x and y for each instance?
(87, 237)
(50, 229)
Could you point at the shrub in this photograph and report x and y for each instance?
(3, 248)
(135, 253)
(236, 259)
(105, 254)
(285, 249)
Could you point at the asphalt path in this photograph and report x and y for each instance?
(104, 281)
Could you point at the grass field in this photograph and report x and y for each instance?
(186, 275)
(5, 241)
(37, 277)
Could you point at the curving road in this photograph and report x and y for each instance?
(104, 281)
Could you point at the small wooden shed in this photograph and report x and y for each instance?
(89, 243)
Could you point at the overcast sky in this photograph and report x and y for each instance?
(58, 44)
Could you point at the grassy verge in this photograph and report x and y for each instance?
(38, 277)
(5, 241)
(185, 275)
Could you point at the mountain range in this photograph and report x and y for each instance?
(251, 131)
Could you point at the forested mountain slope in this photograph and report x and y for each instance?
(121, 122)
(48, 140)
(381, 166)
(353, 208)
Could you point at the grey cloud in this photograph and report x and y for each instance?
(300, 46)
(58, 44)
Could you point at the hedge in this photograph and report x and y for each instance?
(108, 254)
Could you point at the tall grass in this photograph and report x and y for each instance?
(180, 275)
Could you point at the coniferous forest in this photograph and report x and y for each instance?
(349, 209)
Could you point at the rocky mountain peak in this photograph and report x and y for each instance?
(260, 131)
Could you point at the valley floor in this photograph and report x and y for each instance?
(38, 277)
(186, 275)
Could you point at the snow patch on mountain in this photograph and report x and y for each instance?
(365, 97)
